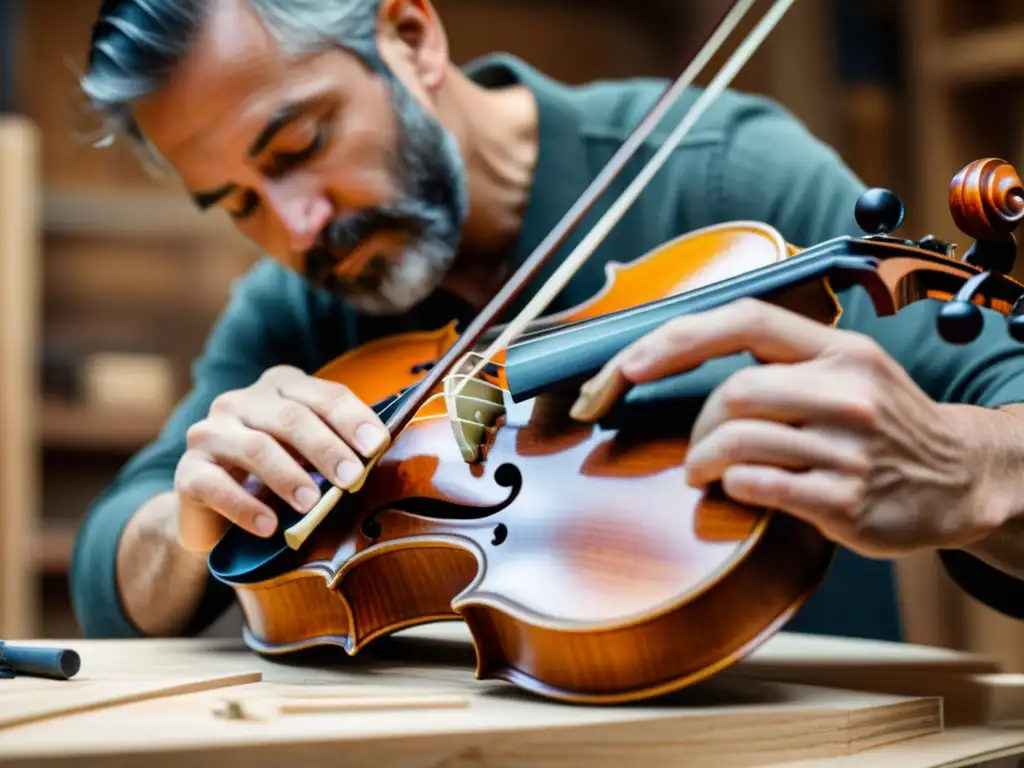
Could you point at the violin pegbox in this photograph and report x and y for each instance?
(986, 202)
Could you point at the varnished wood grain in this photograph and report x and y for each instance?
(591, 583)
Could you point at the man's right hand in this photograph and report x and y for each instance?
(259, 430)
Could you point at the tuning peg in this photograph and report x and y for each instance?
(1015, 320)
(879, 211)
(960, 321)
(1015, 327)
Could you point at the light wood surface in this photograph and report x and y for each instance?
(413, 701)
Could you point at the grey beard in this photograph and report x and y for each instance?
(431, 210)
(403, 282)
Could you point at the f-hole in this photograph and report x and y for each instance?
(500, 534)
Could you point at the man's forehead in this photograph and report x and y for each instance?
(232, 66)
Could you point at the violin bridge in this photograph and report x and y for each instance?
(474, 406)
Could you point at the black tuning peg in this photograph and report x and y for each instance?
(960, 322)
(879, 211)
(1015, 320)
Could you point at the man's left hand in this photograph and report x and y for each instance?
(828, 428)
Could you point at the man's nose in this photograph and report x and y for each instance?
(302, 215)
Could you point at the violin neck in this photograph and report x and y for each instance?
(570, 354)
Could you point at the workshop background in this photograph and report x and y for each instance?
(109, 280)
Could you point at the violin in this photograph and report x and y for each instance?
(584, 567)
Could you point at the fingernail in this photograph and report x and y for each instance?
(348, 473)
(581, 408)
(595, 394)
(370, 439)
(306, 497)
(264, 524)
(584, 401)
(692, 477)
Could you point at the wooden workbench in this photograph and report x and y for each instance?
(413, 702)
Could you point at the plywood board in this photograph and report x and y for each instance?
(728, 722)
(441, 715)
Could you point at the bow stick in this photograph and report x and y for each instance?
(297, 534)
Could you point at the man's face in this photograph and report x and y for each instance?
(341, 174)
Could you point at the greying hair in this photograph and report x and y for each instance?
(136, 44)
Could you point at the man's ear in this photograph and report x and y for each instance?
(416, 28)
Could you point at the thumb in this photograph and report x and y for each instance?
(199, 527)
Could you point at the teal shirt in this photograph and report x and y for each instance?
(747, 158)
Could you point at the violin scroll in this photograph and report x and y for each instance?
(986, 201)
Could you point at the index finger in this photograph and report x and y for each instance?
(770, 333)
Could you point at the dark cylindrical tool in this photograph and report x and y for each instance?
(32, 661)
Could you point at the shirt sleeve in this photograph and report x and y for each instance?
(262, 326)
(775, 171)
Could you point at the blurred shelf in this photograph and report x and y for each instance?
(145, 213)
(87, 427)
(53, 547)
(979, 57)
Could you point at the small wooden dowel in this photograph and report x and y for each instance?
(362, 692)
(355, 703)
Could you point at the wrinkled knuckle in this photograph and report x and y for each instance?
(731, 444)
(749, 306)
(196, 485)
(226, 402)
(751, 311)
(863, 350)
(866, 403)
(736, 391)
(254, 447)
(859, 463)
(291, 416)
(671, 334)
(848, 503)
(340, 390)
(277, 375)
(199, 433)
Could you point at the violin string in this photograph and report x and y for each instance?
(486, 383)
(807, 254)
(599, 231)
(480, 355)
(434, 416)
(546, 248)
(300, 531)
(442, 395)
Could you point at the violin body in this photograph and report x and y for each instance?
(540, 546)
(583, 565)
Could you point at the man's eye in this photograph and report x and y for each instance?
(284, 160)
(249, 204)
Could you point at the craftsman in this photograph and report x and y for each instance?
(392, 190)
